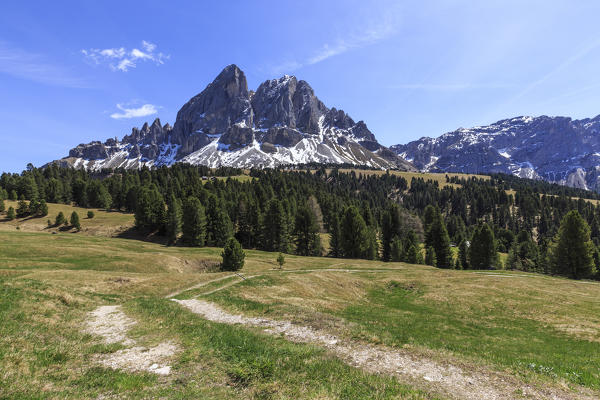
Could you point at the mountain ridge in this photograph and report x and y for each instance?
(281, 123)
(556, 149)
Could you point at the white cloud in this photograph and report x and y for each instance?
(121, 59)
(35, 67)
(143, 111)
(377, 30)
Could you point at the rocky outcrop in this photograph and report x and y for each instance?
(283, 122)
(556, 149)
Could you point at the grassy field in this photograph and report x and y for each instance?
(435, 177)
(542, 330)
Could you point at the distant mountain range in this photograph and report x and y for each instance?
(556, 149)
(282, 123)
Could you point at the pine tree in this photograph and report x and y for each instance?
(354, 234)
(335, 241)
(13, 195)
(43, 208)
(463, 254)
(74, 221)
(306, 233)
(150, 209)
(233, 256)
(2, 205)
(572, 253)
(430, 257)
(412, 255)
(10, 214)
(482, 252)
(22, 208)
(194, 223)
(60, 219)
(218, 225)
(437, 237)
(280, 260)
(397, 251)
(275, 233)
(174, 213)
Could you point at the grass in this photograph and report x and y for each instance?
(440, 178)
(544, 329)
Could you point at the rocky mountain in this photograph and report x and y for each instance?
(556, 149)
(282, 122)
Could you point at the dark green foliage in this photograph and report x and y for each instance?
(74, 221)
(174, 214)
(430, 257)
(60, 219)
(218, 225)
(335, 241)
(275, 234)
(396, 250)
(355, 237)
(13, 195)
(233, 256)
(194, 223)
(280, 260)
(463, 255)
(572, 253)
(482, 252)
(150, 209)
(437, 238)
(2, 205)
(306, 233)
(412, 255)
(22, 209)
(10, 214)
(90, 214)
(42, 210)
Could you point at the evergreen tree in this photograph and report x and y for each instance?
(75, 221)
(42, 208)
(572, 254)
(13, 195)
(354, 234)
(233, 256)
(194, 223)
(174, 213)
(275, 233)
(90, 214)
(482, 252)
(397, 251)
(2, 205)
(60, 219)
(218, 225)
(10, 214)
(463, 254)
(430, 257)
(412, 255)
(335, 234)
(306, 233)
(280, 260)
(437, 237)
(150, 209)
(22, 209)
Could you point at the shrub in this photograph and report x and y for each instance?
(280, 260)
(233, 256)
(90, 214)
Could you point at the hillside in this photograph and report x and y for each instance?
(281, 123)
(555, 149)
(495, 334)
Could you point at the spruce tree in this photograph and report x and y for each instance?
(43, 208)
(437, 237)
(430, 257)
(74, 221)
(150, 209)
(22, 209)
(10, 214)
(335, 237)
(194, 223)
(2, 205)
(463, 254)
(275, 232)
(396, 250)
(60, 219)
(218, 225)
(412, 255)
(354, 234)
(233, 256)
(482, 252)
(306, 233)
(572, 253)
(174, 213)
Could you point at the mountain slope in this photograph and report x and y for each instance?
(283, 122)
(556, 149)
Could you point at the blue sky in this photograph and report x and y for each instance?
(76, 71)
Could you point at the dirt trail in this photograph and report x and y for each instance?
(455, 381)
(113, 324)
(199, 285)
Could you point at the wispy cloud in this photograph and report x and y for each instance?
(450, 86)
(142, 111)
(121, 59)
(369, 34)
(35, 67)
